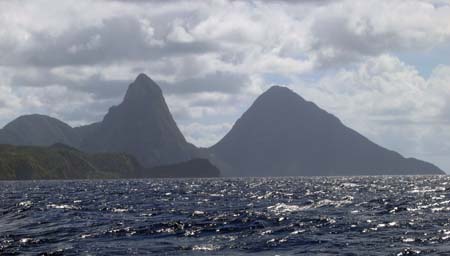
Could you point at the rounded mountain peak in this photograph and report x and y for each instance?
(34, 119)
(280, 91)
(278, 97)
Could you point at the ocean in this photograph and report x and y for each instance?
(384, 215)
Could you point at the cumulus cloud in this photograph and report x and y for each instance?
(116, 39)
(96, 85)
(224, 82)
(213, 58)
(351, 30)
(391, 103)
(204, 135)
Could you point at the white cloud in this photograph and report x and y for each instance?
(349, 30)
(179, 34)
(204, 135)
(213, 58)
(389, 102)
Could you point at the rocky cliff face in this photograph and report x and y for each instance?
(282, 135)
(141, 126)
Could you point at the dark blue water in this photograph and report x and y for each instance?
(260, 216)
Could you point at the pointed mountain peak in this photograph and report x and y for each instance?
(141, 126)
(143, 87)
(143, 78)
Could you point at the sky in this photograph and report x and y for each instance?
(382, 67)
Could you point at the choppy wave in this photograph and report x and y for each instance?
(399, 215)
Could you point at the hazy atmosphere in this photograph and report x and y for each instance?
(225, 127)
(382, 67)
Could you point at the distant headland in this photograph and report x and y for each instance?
(281, 134)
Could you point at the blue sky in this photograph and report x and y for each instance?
(427, 60)
(387, 76)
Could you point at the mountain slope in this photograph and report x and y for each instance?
(38, 130)
(60, 161)
(63, 162)
(86, 130)
(141, 126)
(281, 134)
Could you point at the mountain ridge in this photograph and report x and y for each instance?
(282, 134)
(142, 126)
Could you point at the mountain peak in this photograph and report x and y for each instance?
(280, 93)
(278, 88)
(143, 78)
(277, 98)
(39, 130)
(34, 117)
(143, 87)
(30, 119)
(281, 134)
(141, 126)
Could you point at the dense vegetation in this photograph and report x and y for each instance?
(63, 162)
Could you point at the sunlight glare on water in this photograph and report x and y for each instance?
(398, 215)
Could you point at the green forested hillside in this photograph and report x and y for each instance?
(63, 162)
